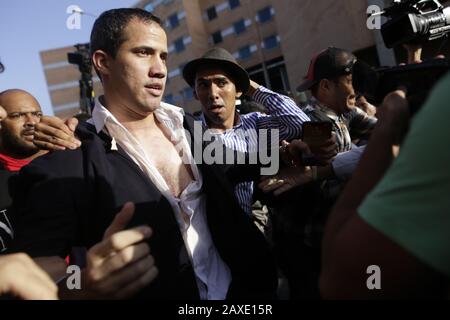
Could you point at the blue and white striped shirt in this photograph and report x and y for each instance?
(283, 114)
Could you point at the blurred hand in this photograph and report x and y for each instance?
(20, 276)
(414, 52)
(291, 153)
(286, 179)
(120, 265)
(324, 153)
(365, 106)
(252, 88)
(51, 133)
(393, 115)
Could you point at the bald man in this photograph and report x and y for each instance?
(16, 136)
(20, 113)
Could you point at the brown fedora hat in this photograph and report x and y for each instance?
(223, 59)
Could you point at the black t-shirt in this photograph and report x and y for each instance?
(6, 231)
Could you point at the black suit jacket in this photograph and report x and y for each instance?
(69, 198)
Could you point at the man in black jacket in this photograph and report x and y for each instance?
(136, 149)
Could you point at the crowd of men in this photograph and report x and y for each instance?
(133, 198)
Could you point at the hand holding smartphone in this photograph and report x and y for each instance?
(315, 134)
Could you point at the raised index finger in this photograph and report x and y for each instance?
(120, 241)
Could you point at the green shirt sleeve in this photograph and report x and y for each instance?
(411, 203)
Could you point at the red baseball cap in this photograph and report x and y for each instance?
(327, 64)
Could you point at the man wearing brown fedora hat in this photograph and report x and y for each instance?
(218, 80)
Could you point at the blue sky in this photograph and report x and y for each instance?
(29, 26)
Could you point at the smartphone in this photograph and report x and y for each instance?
(315, 134)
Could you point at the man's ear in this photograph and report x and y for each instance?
(325, 85)
(238, 94)
(100, 60)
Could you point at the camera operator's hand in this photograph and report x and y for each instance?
(394, 115)
(51, 133)
(414, 52)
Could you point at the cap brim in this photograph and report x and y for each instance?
(239, 75)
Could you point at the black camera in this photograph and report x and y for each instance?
(415, 21)
(418, 79)
(82, 59)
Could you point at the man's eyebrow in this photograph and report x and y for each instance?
(212, 79)
(147, 48)
(202, 79)
(143, 47)
(20, 111)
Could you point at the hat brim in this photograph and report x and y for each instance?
(306, 85)
(239, 75)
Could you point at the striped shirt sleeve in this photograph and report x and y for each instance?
(283, 114)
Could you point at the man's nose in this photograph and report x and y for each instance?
(213, 91)
(158, 68)
(31, 120)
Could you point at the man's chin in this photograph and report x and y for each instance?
(151, 104)
(28, 140)
(30, 148)
(215, 118)
(26, 150)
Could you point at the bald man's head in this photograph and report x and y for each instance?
(17, 130)
(11, 97)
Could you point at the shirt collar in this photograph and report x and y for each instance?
(329, 112)
(168, 112)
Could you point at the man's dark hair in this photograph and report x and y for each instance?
(341, 58)
(107, 32)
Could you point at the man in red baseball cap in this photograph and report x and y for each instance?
(329, 79)
(334, 99)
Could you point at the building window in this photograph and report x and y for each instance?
(212, 13)
(179, 45)
(173, 21)
(265, 14)
(234, 4)
(239, 27)
(244, 52)
(217, 37)
(271, 42)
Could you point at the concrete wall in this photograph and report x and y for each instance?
(308, 26)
